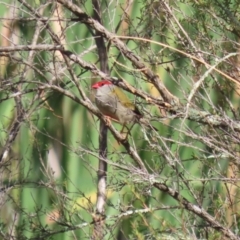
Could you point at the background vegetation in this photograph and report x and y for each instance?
(179, 62)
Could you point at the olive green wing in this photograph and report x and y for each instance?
(125, 101)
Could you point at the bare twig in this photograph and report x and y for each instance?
(98, 231)
(35, 47)
(198, 210)
(136, 60)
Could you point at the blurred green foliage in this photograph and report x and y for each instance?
(51, 171)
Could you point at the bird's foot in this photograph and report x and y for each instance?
(124, 136)
(107, 120)
(128, 130)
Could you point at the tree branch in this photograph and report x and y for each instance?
(98, 231)
(136, 60)
(196, 210)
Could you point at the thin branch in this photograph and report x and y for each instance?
(136, 60)
(38, 47)
(193, 114)
(43, 19)
(198, 210)
(98, 231)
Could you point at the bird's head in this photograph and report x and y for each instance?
(101, 83)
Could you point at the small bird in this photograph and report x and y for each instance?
(114, 103)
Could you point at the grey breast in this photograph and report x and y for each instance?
(106, 102)
(110, 105)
